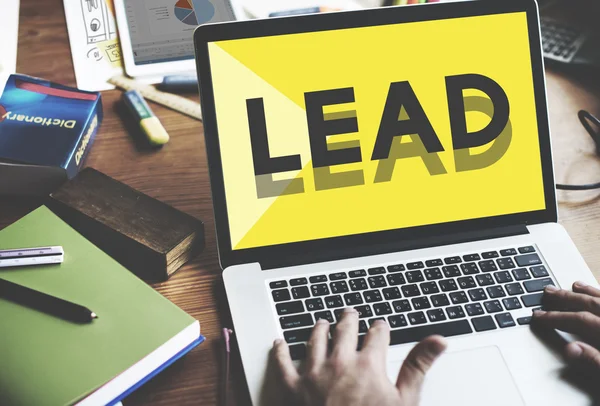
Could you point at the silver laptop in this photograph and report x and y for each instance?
(396, 160)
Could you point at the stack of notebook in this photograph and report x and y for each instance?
(45, 360)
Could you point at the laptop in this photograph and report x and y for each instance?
(396, 160)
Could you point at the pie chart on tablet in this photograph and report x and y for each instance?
(194, 12)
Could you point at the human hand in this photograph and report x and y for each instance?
(576, 312)
(347, 377)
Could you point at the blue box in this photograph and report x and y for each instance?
(46, 132)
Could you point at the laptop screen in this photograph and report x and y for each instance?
(358, 130)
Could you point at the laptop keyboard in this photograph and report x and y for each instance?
(462, 294)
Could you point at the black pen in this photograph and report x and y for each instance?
(45, 303)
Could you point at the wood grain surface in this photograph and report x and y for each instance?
(178, 175)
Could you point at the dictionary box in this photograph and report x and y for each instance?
(46, 132)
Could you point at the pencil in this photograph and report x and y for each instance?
(45, 303)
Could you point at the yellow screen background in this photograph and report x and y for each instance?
(282, 68)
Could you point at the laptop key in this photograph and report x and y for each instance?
(484, 323)
(318, 279)
(358, 273)
(526, 250)
(521, 274)
(362, 327)
(470, 268)
(397, 321)
(514, 289)
(452, 260)
(401, 306)
(300, 320)
(410, 290)
(326, 314)
(415, 334)
(528, 260)
(352, 299)
(377, 281)
(334, 301)
(493, 306)
(477, 294)
(417, 318)
(485, 279)
(458, 297)
(289, 308)
(396, 279)
(490, 255)
(298, 281)
(451, 271)
(421, 303)
(298, 352)
(466, 282)
(373, 320)
(381, 309)
(508, 252)
(396, 268)
(488, 266)
(415, 265)
(338, 287)
(503, 277)
(524, 320)
(432, 274)
(377, 271)
(320, 289)
(436, 315)
(338, 313)
(314, 304)
(364, 311)
(537, 285)
(358, 284)
(505, 263)
(474, 309)
(538, 271)
(372, 296)
(414, 276)
(448, 285)
(337, 276)
(440, 300)
(297, 336)
(281, 295)
(391, 293)
(505, 320)
(455, 312)
(429, 287)
(434, 262)
(495, 292)
(511, 303)
(278, 284)
(471, 257)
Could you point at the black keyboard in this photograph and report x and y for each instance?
(560, 41)
(456, 295)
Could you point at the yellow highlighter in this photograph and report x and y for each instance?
(152, 128)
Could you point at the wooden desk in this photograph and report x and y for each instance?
(178, 175)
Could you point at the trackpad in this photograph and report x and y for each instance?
(470, 378)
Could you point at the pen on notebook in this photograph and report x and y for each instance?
(45, 303)
(227, 347)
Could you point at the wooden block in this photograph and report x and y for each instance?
(150, 238)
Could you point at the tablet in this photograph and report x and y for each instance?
(157, 35)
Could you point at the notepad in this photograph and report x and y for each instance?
(49, 361)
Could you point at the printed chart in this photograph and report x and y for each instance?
(194, 12)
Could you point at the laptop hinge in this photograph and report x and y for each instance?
(397, 246)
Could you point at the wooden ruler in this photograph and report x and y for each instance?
(172, 101)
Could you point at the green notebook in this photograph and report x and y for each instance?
(45, 360)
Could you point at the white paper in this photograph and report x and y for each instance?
(9, 21)
(95, 46)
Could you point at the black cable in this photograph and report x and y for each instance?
(586, 119)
